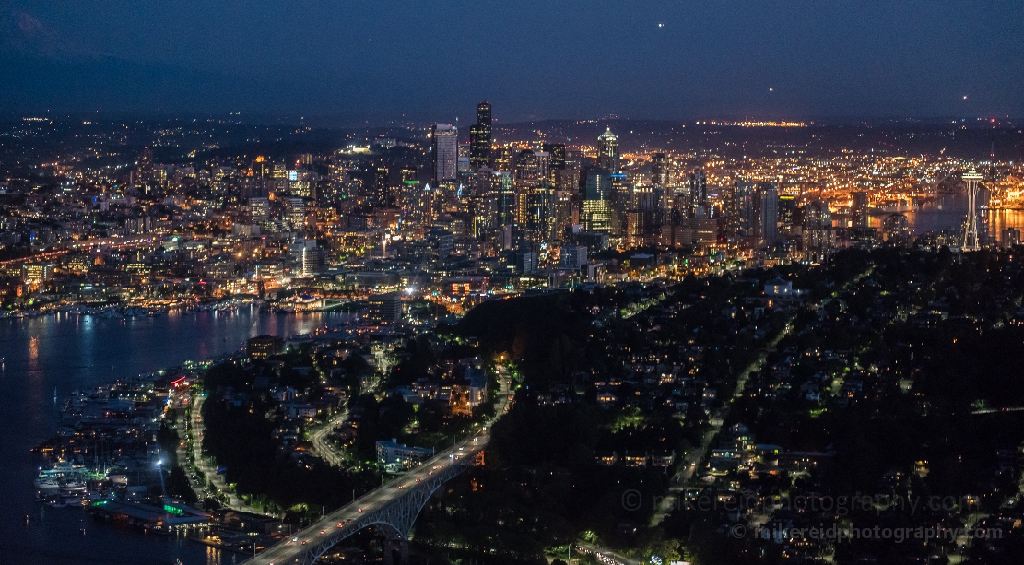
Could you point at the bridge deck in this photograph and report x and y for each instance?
(393, 506)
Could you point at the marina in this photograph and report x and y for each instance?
(59, 371)
(107, 445)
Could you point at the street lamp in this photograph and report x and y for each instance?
(160, 471)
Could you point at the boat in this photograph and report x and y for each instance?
(63, 467)
(46, 483)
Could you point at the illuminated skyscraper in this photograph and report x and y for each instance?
(752, 213)
(409, 192)
(567, 210)
(645, 216)
(659, 169)
(540, 213)
(380, 186)
(608, 151)
(146, 164)
(787, 213)
(480, 136)
(818, 234)
(768, 214)
(444, 152)
(741, 211)
(597, 209)
(599, 184)
(144, 174)
(503, 198)
(698, 190)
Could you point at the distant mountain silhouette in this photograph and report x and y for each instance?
(43, 70)
(22, 33)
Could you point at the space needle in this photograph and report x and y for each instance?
(970, 240)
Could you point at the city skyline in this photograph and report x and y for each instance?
(536, 283)
(405, 310)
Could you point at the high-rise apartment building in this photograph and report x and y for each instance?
(768, 214)
(818, 234)
(297, 212)
(752, 213)
(860, 210)
(743, 218)
(259, 208)
(312, 261)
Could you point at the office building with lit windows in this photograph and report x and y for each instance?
(444, 152)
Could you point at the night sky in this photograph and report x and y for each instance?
(433, 60)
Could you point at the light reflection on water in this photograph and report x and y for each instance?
(948, 212)
(68, 353)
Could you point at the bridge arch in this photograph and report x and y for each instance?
(393, 509)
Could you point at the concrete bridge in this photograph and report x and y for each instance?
(393, 508)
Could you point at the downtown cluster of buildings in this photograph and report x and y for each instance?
(434, 213)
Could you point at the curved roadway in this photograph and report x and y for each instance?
(347, 517)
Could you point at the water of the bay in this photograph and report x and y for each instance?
(67, 353)
(948, 212)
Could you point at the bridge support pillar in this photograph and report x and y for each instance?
(389, 551)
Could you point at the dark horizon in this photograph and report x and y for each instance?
(776, 60)
(341, 121)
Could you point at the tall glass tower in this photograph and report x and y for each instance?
(608, 151)
(480, 137)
